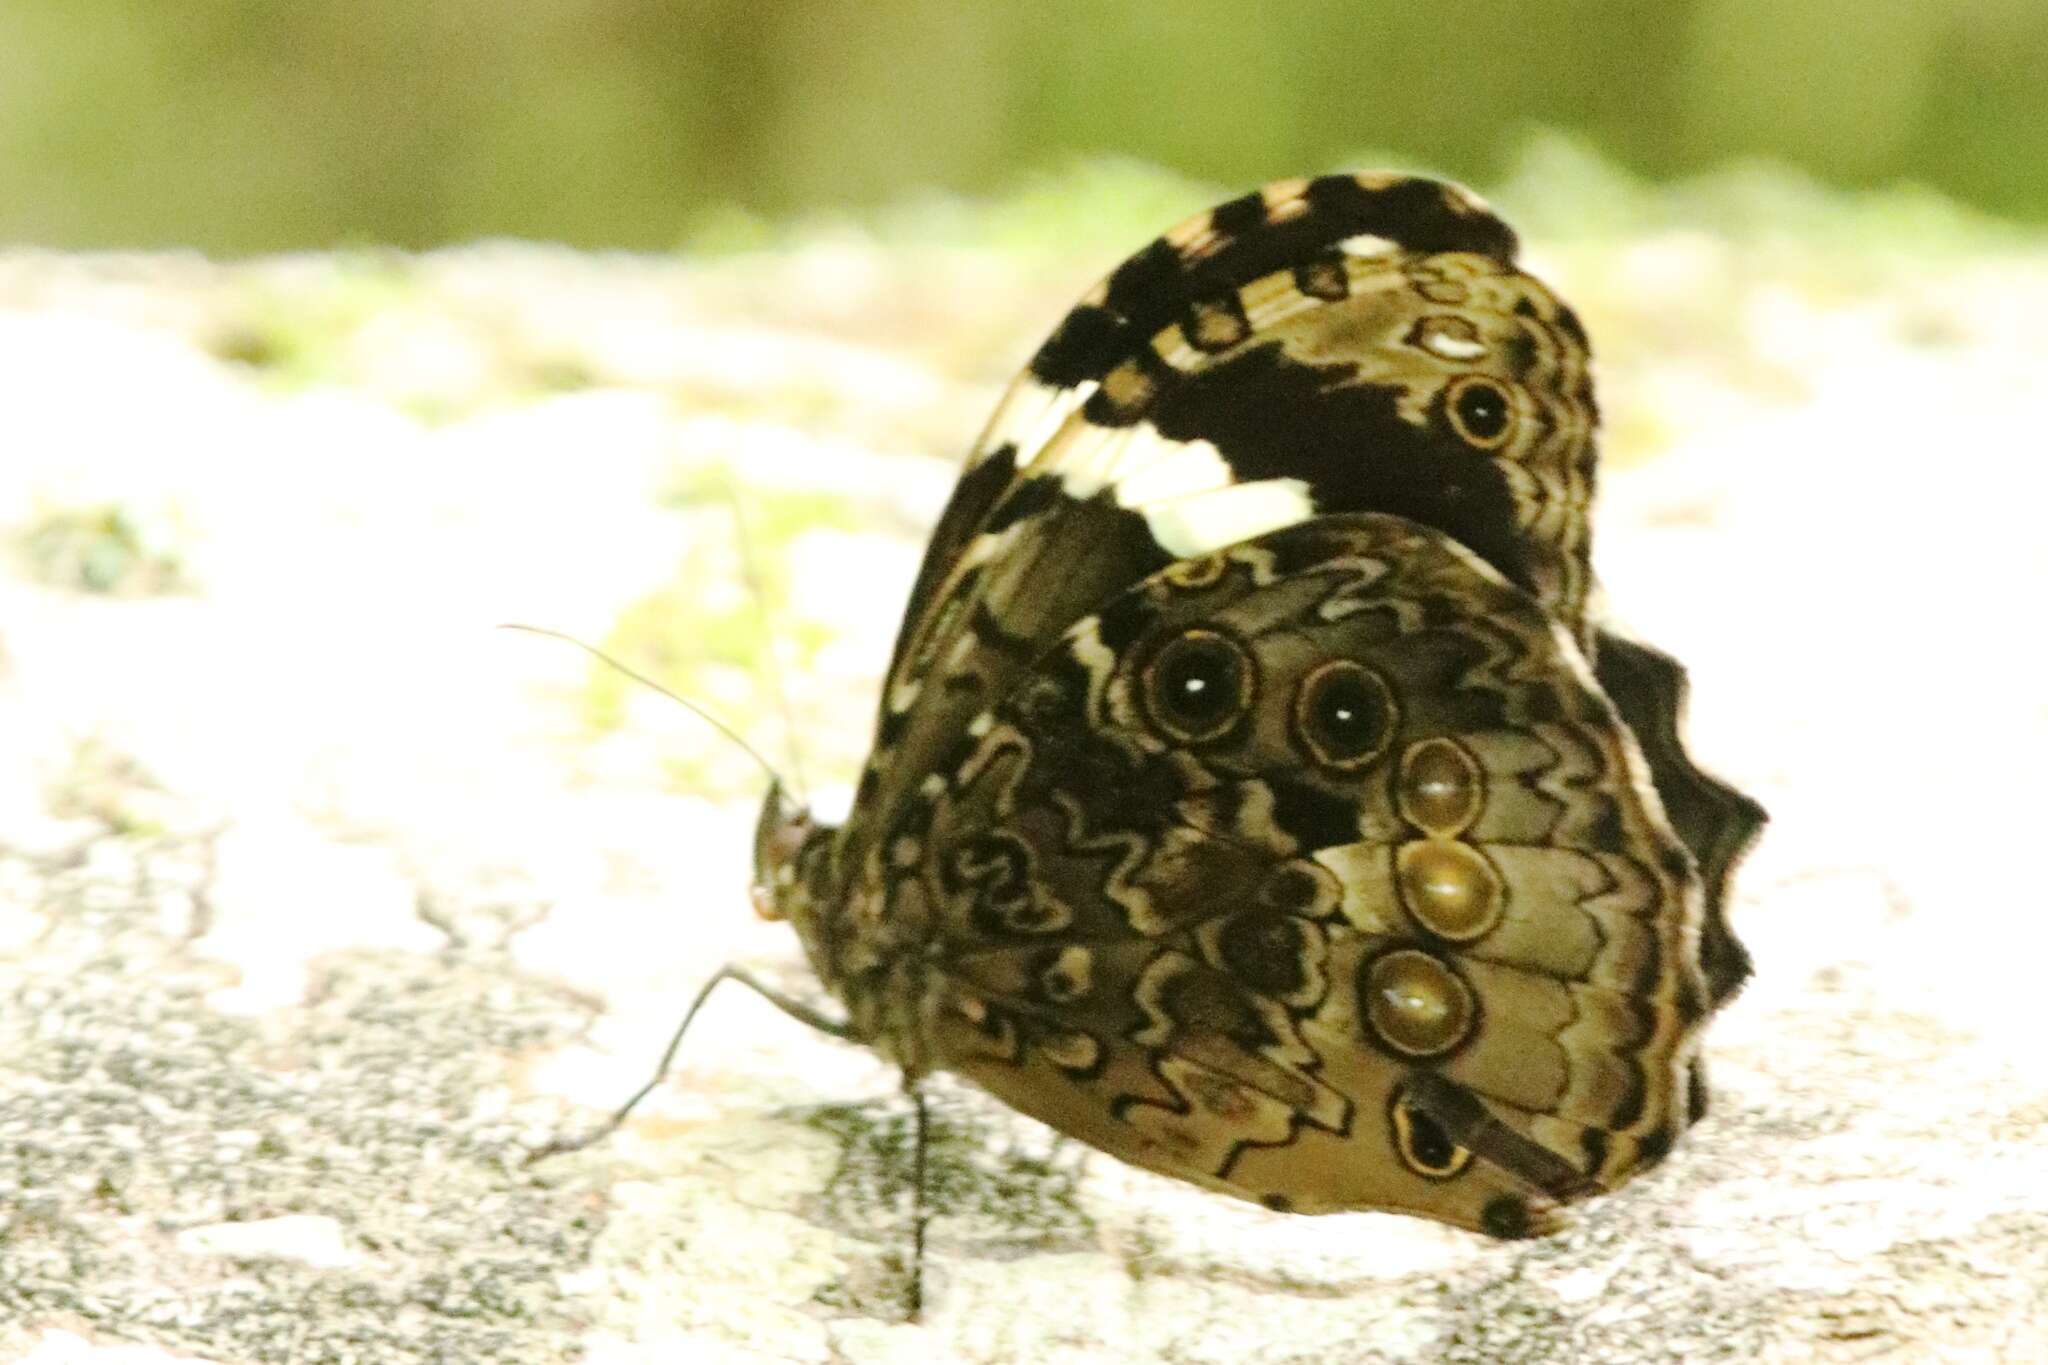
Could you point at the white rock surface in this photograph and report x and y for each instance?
(319, 905)
(305, 1238)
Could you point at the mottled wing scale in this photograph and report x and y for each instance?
(1391, 919)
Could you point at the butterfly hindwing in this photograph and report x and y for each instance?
(1320, 871)
(1717, 822)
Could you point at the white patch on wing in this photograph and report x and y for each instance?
(1453, 348)
(1368, 244)
(1184, 469)
(1209, 521)
(1136, 461)
(1185, 489)
(1030, 414)
(1085, 456)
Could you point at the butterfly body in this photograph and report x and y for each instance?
(1254, 797)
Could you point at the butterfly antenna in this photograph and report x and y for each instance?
(752, 579)
(692, 707)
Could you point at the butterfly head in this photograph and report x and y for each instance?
(794, 860)
(780, 835)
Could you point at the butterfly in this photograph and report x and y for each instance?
(1257, 794)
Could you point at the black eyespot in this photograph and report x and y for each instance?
(1481, 410)
(1198, 685)
(1421, 1142)
(1344, 714)
(1506, 1216)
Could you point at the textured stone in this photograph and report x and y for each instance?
(318, 781)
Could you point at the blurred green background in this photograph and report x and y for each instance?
(253, 125)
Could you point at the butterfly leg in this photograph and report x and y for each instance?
(919, 1214)
(795, 1009)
